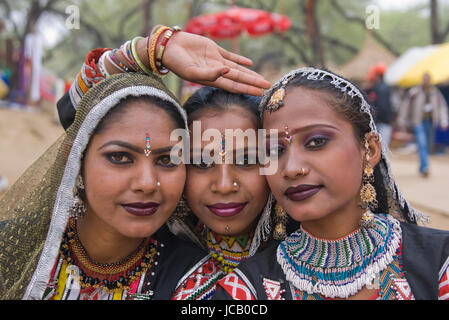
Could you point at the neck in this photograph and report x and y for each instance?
(102, 243)
(336, 224)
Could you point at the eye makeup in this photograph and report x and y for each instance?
(317, 139)
(118, 157)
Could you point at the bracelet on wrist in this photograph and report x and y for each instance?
(115, 61)
(136, 56)
(101, 66)
(124, 50)
(161, 49)
(152, 48)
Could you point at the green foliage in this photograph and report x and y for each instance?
(109, 23)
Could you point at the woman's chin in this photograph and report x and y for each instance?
(139, 231)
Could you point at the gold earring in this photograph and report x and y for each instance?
(78, 208)
(280, 219)
(368, 193)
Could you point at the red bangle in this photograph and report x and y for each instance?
(160, 50)
(152, 48)
(152, 32)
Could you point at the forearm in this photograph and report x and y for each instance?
(103, 62)
(140, 54)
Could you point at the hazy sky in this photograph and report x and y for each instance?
(398, 4)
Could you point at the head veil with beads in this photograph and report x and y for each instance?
(34, 212)
(396, 204)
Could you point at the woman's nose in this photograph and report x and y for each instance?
(225, 181)
(294, 166)
(145, 178)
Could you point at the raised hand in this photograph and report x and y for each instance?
(199, 59)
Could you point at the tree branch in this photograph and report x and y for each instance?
(361, 21)
(99, 36)
(297, 48)
(7, 7)
(330, 40)
(444, 34)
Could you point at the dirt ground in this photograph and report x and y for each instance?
(24, 136)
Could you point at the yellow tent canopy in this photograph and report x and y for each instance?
(409, 68)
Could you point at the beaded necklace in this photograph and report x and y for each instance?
(113, 277)
(339, 268)
(229, 251)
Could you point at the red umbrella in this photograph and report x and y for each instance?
(230, 23)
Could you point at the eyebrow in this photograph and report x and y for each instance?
(135, 148)
(305, 128)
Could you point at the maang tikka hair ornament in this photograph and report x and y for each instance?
(273, 99)
(147, 149)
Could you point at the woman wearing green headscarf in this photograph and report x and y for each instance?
(87, 219)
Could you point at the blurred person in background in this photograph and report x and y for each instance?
(33, 64)
(379, 97)
(427, 109)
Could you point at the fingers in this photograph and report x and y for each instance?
(234, 87)
(242, 69)
(235, 57)
(206, 74)
(250, 78)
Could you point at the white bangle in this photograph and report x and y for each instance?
(101, 66)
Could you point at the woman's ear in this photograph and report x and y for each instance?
(373, 148)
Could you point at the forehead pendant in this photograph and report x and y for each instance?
(287, 138)
(147, 149)
(223, 147)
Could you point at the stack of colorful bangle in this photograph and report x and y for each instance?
(115, 61)
(94, 68)
(101, 66)
(155, 51)
(126, 53)
(155, 47)
(87, 77)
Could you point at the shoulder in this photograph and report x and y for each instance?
(262, 262)
(425, 238)
(249, 280)
(177, 258)
(426, 242)
(200, 282)
(425, 254)
(177, 249)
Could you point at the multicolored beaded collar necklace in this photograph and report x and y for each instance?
(229, 251)
(339, 268)
(112, 276)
